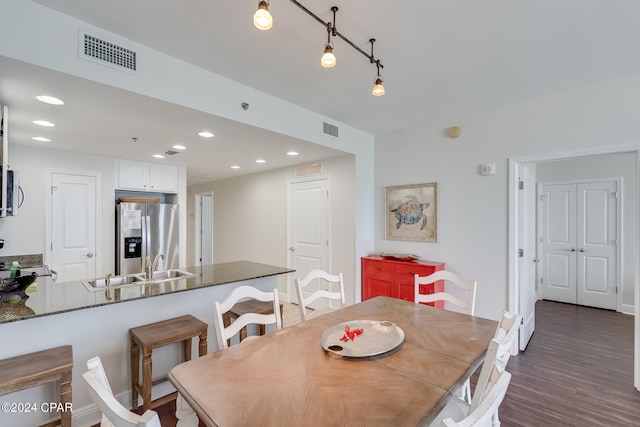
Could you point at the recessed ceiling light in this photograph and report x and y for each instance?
(261, 161)
(158, 156)
(292, 153)
(206, 134)
(50, 100)
(43, 123)
(179, 147)
(41, 139)
(235, 167)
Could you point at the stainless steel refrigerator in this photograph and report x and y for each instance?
(146, 230)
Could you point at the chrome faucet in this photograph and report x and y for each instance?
(150, 267)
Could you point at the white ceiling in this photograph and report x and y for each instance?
(442, 61)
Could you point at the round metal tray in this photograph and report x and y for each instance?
(378, 336)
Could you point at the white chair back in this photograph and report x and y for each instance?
(467, 305)
(113, 413)
(497, 357)
(483, 415)
(238, 294)
(320, 275)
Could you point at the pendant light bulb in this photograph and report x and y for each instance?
(262, 18)
(328, 59)
(378, 89)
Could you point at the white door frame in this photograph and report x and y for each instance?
(514, 291)
(197, 227)
(49, 226)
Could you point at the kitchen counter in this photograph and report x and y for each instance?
(97, 323)
(53, 298)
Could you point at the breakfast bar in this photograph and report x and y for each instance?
(97, 322)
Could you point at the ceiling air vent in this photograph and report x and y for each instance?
(330, 130)
(312, 169)
(171, 152)
(107, 53)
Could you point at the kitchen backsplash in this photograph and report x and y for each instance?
(31, 260)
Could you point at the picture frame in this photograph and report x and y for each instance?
(412, 212)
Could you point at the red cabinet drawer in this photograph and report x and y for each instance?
(396, 278)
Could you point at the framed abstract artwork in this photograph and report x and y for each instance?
(412, 212)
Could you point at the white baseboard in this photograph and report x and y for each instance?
(628, 309)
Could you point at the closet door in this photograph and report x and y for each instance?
(559, 240)
(596, 248)
(579, 237)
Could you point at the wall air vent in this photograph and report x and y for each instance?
(330, 130)
(107, 53)
(312, 169)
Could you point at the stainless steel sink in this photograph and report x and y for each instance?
(114, 282)
(158, 276)
(136, 280)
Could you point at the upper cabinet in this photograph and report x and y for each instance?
(142, 176)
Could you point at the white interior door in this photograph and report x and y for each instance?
(559, 242)
(527, 255)
(580, 237)
(597, 244)
(308, 229)
(73, 226)
(204, 229)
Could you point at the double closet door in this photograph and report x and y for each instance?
(579, 242)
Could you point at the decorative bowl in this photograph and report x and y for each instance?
(16, 286)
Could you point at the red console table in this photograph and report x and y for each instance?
(394, 278)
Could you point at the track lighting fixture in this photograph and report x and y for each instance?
(328, 59)
(378, 89)
(262, 18)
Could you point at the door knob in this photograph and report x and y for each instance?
(90, 255)
(572, 249)
(582, 250)
(291, 249)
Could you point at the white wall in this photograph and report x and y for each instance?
(609, 166)
(473, 209)
(250, 219)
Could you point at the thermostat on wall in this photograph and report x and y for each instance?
(488, 169)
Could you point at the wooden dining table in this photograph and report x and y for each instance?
(287, 378)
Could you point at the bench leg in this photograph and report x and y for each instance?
(65, 398)
(135, 373)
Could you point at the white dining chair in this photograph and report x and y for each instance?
(319, 278)
(493, 366)
(467, 287)
(467, 305)
(242, 293)
(113, 413)
(483, 415)
(496, 358)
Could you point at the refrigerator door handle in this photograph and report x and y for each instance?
(143, 245)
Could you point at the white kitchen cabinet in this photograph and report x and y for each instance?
(143, 176)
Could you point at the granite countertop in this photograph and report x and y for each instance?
(52, 298)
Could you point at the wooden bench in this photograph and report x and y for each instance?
(146, 338)
(33, 369)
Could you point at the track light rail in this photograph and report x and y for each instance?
(335, 33)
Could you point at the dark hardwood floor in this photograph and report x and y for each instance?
(576, 372)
